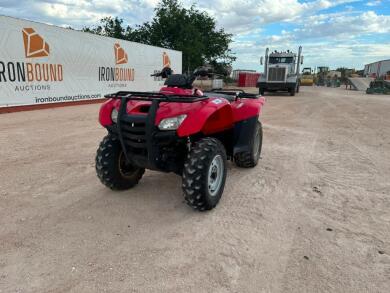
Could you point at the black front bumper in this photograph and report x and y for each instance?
(146, 146)
(143, 144)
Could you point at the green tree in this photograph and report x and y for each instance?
(190, 30)
(110, 27)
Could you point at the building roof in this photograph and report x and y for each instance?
(378, 61)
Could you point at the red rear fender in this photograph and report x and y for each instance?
(247, 108)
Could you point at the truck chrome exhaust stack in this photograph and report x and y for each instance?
(266, 63)
(299, 59)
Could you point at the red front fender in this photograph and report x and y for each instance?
(215, 116)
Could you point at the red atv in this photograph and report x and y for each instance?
(182, 130)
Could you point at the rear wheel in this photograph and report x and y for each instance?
(251, 158)
(204, 174)
(112, 168)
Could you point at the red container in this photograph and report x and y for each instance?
(241, 79)
(248, 79)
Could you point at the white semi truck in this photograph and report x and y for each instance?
(281, 72)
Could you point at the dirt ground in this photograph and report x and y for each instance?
(313, 216)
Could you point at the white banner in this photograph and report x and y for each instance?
(41, 63)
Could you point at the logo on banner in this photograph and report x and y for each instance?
(34, 76)
(34, 44)
(166, 60)
(118, 73)
(120, 54)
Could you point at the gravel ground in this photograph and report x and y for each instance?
(313, 216)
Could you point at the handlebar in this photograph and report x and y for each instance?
(164, 73)
(157, 74)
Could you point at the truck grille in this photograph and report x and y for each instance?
(276, 74)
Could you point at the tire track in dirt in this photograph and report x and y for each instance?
(318, 171)
(342, 175)
(250, 218)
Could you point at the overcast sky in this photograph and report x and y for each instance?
(347, 33)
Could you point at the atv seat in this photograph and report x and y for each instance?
(179, 80)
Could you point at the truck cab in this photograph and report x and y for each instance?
(281, 72)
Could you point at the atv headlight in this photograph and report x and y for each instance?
(172, 123)
(114, 115)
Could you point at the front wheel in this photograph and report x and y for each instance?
(204, 174)
(112, 168)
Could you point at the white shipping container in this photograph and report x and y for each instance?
(41, 63)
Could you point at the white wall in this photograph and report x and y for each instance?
(79, 57)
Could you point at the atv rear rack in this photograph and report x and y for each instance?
(155, 96)
(239, 93)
